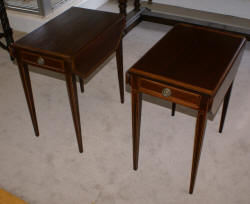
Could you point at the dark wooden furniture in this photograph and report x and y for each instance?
(74, 43)
(140, 13)
(7, 31)
(191, 66)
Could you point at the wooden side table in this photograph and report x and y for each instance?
(191, 66)
(74, 43)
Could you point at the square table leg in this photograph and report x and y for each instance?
(25, 78)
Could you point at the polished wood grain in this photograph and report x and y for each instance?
(54, 36)
(191, 66)
(208, 50)
(104, 45)
(74, 43)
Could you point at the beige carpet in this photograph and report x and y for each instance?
(49, 169)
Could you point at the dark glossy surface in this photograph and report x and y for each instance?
(209, 58)
(65, 34)
(191, 66)
(74, 43)
(101, 48)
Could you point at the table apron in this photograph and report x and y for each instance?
(176, 95)
(43, 61)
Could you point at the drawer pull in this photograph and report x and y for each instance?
(166, 92)
(40, 61)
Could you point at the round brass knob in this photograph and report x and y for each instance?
(40, 61)
(166, 92)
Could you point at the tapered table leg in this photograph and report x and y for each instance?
(136, 123)
(198, 141)
(119, 60)
(81, 84)
(73, 99)
(25, 77)
(224, 109)
(173, 108)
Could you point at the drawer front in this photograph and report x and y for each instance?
(43, 61)
(170, 93)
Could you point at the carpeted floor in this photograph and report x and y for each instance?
(49, 169)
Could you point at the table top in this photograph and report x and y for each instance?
(192, 57)
(66, 34)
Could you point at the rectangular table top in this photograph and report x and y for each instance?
(67, 33)
(192, 57)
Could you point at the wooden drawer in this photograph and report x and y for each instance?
(43, 61)
(170, 93)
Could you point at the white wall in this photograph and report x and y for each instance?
(28, 22)
(92, 4)
(239, 8)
